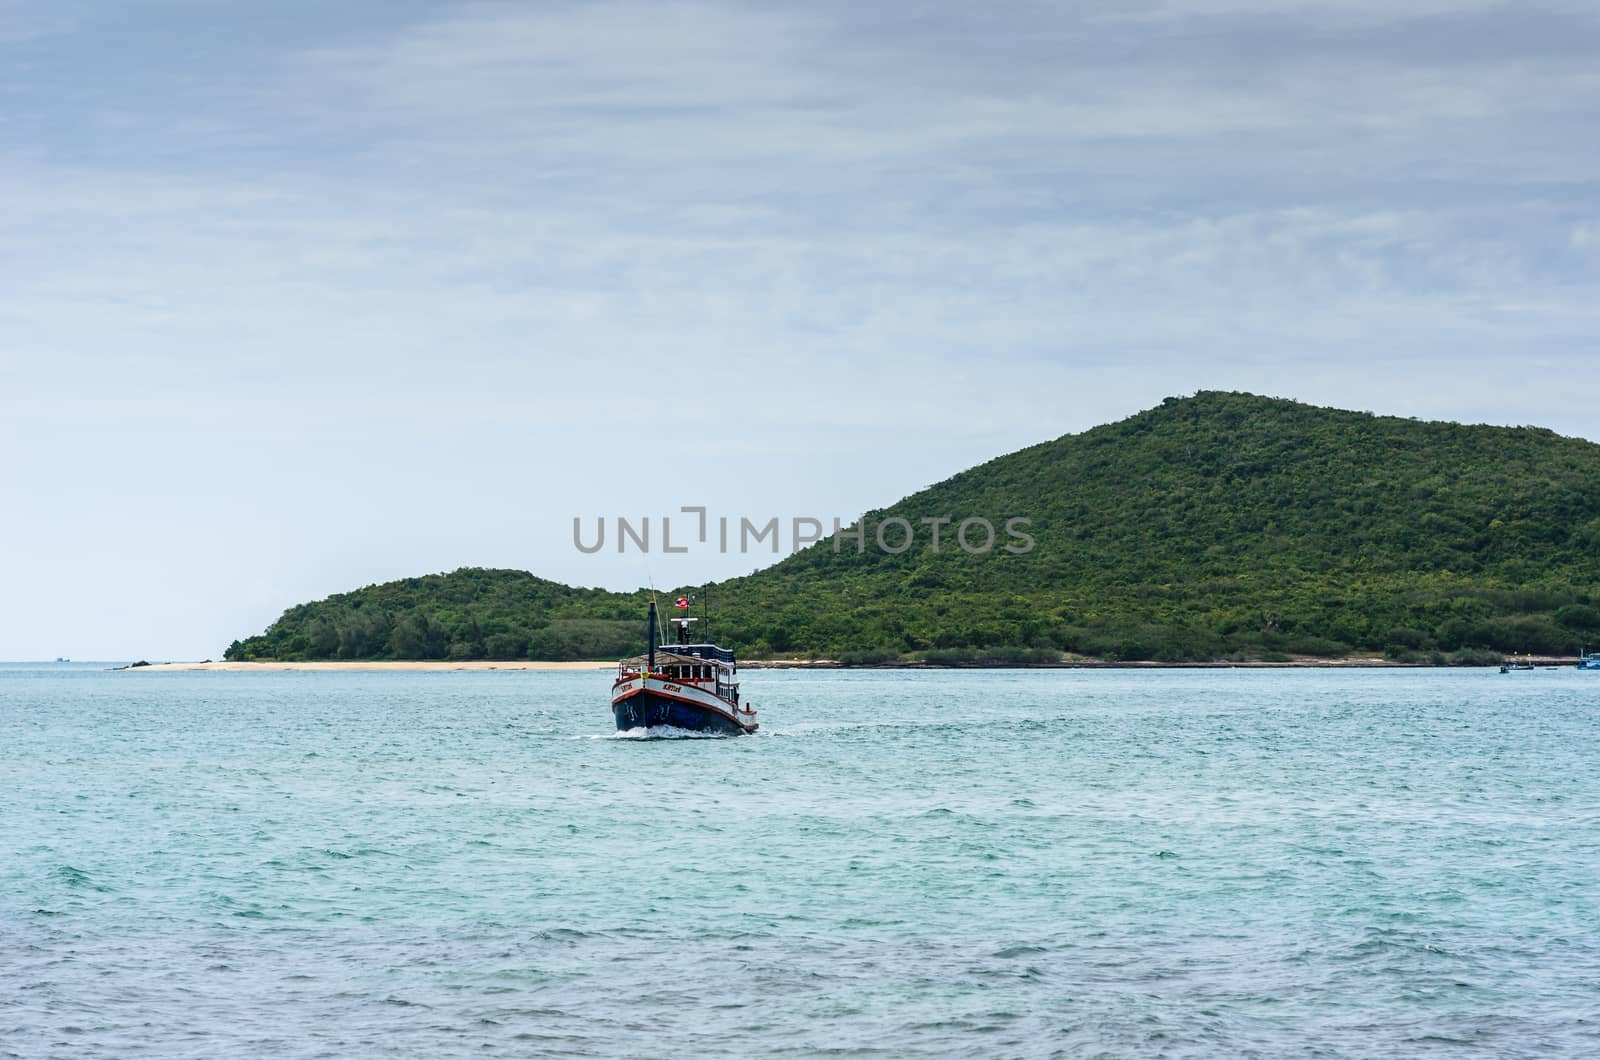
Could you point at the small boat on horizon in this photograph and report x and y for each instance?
(687, 686)
(1589, 660)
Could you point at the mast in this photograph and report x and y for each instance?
(650, 665)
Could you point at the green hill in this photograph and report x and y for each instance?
(1217, 526)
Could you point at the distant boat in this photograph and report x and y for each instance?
(1590, 660)
(682, 685)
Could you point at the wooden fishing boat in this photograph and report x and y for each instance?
(683, 685)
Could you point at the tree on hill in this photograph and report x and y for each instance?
(1220, 525)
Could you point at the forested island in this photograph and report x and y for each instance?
(1221, 526)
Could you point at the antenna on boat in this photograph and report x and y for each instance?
(683, 616)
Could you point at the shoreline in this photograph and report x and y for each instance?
(422, 666)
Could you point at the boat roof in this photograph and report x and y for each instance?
(697, 651)
(668, 654)
(668, 658)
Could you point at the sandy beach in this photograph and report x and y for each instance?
(442, 665)
(474, 664)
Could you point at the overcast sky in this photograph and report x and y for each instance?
(299, 296)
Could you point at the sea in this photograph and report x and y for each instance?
(1010, 863)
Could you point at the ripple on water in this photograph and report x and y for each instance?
(966, 863)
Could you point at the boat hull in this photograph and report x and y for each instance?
(650, 703)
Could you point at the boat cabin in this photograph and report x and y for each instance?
(704, 666)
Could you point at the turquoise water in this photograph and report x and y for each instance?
(1017, 863)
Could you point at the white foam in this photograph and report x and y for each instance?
(659, 732)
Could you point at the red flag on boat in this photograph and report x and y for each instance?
(683, 602)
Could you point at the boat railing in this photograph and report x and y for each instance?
(689, 669)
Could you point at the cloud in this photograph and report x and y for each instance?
(477, 252)
(23, 20)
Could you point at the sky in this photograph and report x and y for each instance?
(296, 297)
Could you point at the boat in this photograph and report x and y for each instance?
(1589, 660)
(683, 685)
